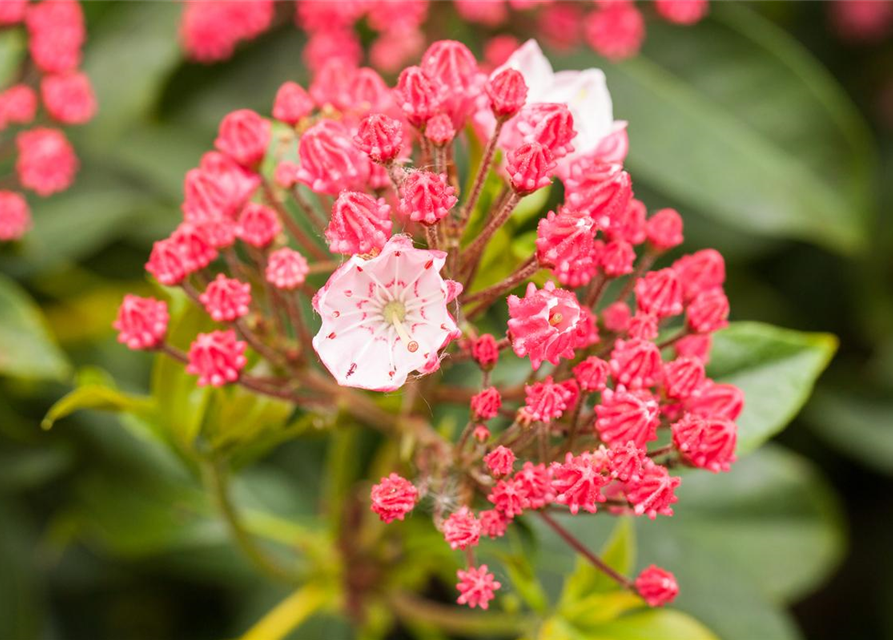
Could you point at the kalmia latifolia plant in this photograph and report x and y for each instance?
(357, 186)
(44, 93)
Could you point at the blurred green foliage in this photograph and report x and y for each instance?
(109, 530)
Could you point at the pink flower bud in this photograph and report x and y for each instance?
(68, 97)
(192, 244)
(653, 491)
(542, 325)
(706, 443)
(592, 374)
(700, 271)
(56, 34)
(708, 312)
(546, 401)
(694, 346)
(578, 482)
(507, 92)
(530, 167)
(18, 105)
(565, 243)
(332, 84)
(656, 586)
(15, 216)
(332, 45)
(636, 363)
(602, 190)
(481, 433)
(244, 136)
(217, 358)
(659, 293)
(286, 269)
(642, 326)
(682, 11)
(476, 585)
(141, 322)
(417, 95)
(330, 162)
(166, 262)
(561, 25)
(664, 229)
(617, 258)
(380, 137)
(586, 332)
(500, 461)
(615, 31)
(258, 225)
(493, 523)
(359, 224)
(498, 49)
(716, 401)
(682, 377)
(485, 351)
(625, 416)
(627, 462)
(292, 103)
(616, 317)
(226, 299)
(426, 197)
(536, 484)
(549, 123)
(440, 130)
(46, 162)
(393, 498)
(462, 530)
(12, 11)
(509, 496)
(486, 404)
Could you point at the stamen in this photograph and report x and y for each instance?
(395, 313)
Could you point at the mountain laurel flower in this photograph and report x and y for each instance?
(682, 377)
(701, 271)
(330, 162)
(493, 523)
(244, 136)
(15, 216)
(616, 317)
(217, 358)
(258, 225)
(476, 587)
(292, 104)
(627, 462)
(486, 404)
(286, 269)
(393, 498)
(536, 484)
(141, 322)
(500, 461)
(68, 97)
(542, 324)
(226, 299)
(659, 293)
(616, 258)
(18, 105)
(485, 351)
(685, 12)
(706, 443)
(12, 11)
(418, 95)
(664, 229)
(627, 416)
(56, 35)
(166, 262)
(385, 316)
(426, 197)
(509, 497)
(579, 480)
(652, 492)
(642, 326)
(380, 137)
(546, 401)
(657, 586)
(530, 167)
(462, 530)
(601, 189)
(565, 242)
(708, 312)
(636, 363)
(454, 71)
(616, 30)
(715, 400)
(359, 224)
(592, 374)
(46, 162)
(551, 124)
(440, 130)
(507, 92)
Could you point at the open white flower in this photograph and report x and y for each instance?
(386, 316)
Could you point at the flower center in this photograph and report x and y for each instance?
(395, 313)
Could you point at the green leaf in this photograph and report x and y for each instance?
(651, 624)
(95, 396)
(860, 427)
(619, 553)
(26, 348)
(776, 368)
(12, 52)
(737, 121)
(770, 530)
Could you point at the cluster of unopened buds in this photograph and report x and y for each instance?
(211, 29)
(616, 394)
(46, 162)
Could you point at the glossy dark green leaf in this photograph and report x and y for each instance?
(776, 368)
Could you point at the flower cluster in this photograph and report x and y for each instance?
(362, 219)
(45, 162)
(211, 29)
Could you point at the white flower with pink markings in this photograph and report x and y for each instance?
(386, 316)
